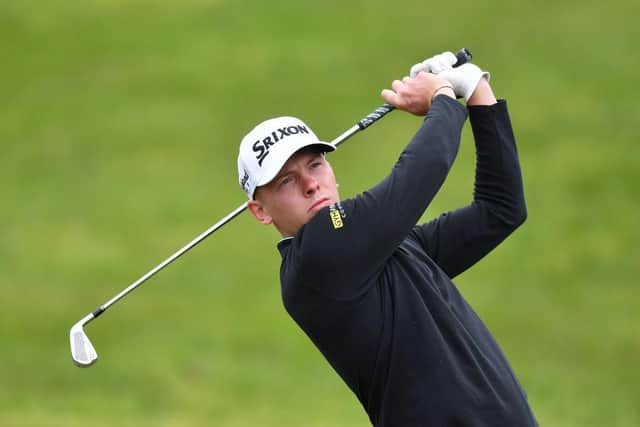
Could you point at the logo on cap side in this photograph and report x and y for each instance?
(244, 182)
(262, 146)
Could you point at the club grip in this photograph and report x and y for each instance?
(376, 115)
(463, 56)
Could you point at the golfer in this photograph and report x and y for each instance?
(372, 289)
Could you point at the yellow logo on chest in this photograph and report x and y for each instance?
(336, 219)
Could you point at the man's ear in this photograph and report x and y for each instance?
(259, 212)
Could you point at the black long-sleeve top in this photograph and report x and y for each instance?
(373, 290)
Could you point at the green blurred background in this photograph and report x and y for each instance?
(119, 126)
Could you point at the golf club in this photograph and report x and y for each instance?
(82, 351)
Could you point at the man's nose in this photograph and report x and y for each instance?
(310, 184)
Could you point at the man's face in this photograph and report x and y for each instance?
(304, 185)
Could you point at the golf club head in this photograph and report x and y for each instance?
(82, 351)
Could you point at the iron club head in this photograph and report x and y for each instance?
(82, 351)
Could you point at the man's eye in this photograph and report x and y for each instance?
(316, 164)
(285, 181)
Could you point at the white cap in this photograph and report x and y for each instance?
(265, 150)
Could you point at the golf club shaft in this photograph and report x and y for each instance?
(463, 56)
(346, 135)
(172, 258)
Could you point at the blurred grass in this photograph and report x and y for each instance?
(119, 125)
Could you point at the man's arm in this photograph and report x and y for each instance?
(343, 246)
(458, 239)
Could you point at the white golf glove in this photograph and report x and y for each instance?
(434, 65)
(464, 78)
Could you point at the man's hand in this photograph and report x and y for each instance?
(464, 78)
(415, 94)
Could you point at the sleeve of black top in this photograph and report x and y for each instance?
(458, 239)
(338, 260)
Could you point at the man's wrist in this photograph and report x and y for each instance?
(446, 89)
(482, 94)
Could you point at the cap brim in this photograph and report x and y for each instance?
(271, 174)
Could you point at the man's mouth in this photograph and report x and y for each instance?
(319, 204)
